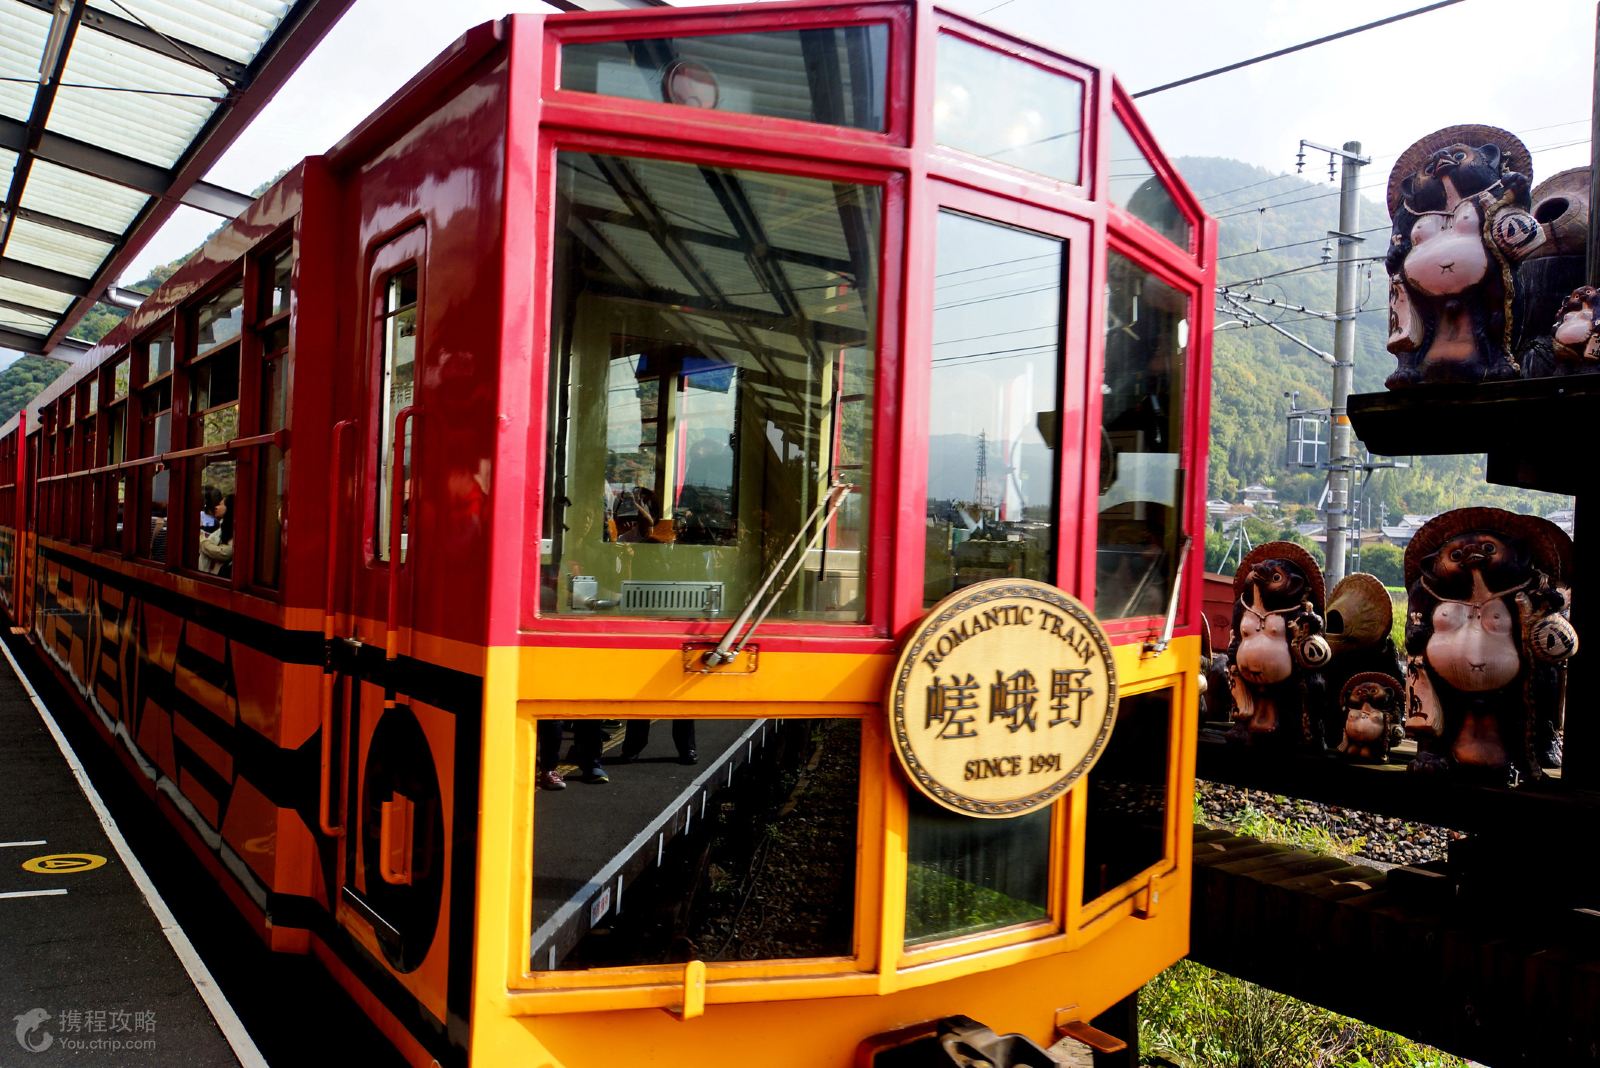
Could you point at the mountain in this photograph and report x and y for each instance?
(1255, 367)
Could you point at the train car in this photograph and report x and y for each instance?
(676, 367)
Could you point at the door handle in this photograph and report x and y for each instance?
(395, 820)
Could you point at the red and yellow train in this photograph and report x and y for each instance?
(603, 329)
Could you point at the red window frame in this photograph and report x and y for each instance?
(875, 626)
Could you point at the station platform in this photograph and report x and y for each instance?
(90, 976)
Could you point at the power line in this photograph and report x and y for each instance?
(1242, 188)
(1292, 48)
(1292, 244)
(1253, 279)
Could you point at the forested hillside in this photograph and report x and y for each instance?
(1255, 367)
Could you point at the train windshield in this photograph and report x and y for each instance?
(712, 378)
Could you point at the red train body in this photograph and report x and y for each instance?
(362, 364)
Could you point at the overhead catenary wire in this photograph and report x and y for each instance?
(1326, 39)
(1255, 279)
(1293, 244)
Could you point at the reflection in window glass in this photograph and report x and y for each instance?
(220, 319)
(1008, 110)
(713, 378)
(274, 478)
(762, 867)
(1141, 484)
(994, 407)
(775, 74)
(158, 357)
(278, 283)
(1136, 188)
(398, 328)
(119, 379)
(965, 874)
(154, 484)
(1125, 829)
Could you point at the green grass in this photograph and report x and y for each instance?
(1253, 823)
(1199, 1018)
(1194, 1017)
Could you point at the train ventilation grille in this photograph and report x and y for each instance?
(677, 598)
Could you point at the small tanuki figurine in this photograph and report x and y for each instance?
(1459, 201)
(1487, 642)
(1371, 701)
(1576, 344)
(1278, 651)
(1359, 625)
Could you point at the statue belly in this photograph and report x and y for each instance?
(1264, 659)
(1474, 660)
(1448, 263)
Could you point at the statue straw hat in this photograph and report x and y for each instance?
(1547, 543)
(1561, 202)
(1360, 614)
(1514, 154)
(1293, 554)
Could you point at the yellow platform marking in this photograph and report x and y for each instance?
(63, 863)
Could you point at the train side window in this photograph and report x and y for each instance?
(1125, 827)
(1042, 110)
(965, 875)
(213, 421)
(1141, 442)
(273, 476)
(749, 855)
(114, 519)
(699, 371)
(994, 404)
(775, 74)
(155, 439)
(86, 488)
(397, 325)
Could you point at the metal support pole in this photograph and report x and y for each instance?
(1341, 453)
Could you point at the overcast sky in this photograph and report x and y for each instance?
(1525, 66)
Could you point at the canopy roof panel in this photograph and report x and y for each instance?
(110, 113)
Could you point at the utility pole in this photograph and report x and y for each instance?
(1341, 451)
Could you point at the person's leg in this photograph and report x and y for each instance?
(683, 738)
(636, 738)
(588, 738)
(549, 755)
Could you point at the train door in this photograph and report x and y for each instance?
(387, 754)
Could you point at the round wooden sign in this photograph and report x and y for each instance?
(1003, 697)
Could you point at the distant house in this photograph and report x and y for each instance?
(1401, 533)
(1259, 494)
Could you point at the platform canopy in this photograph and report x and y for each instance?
(111, 111)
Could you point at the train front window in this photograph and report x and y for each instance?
(835, 76)
(1009, 110)
(1141, 482)
(993, 406)
(1136, 188)
(1125, 828)
(712, 379)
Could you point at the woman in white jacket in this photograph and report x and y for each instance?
(216, 548)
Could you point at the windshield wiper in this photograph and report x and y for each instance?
(727, 649)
